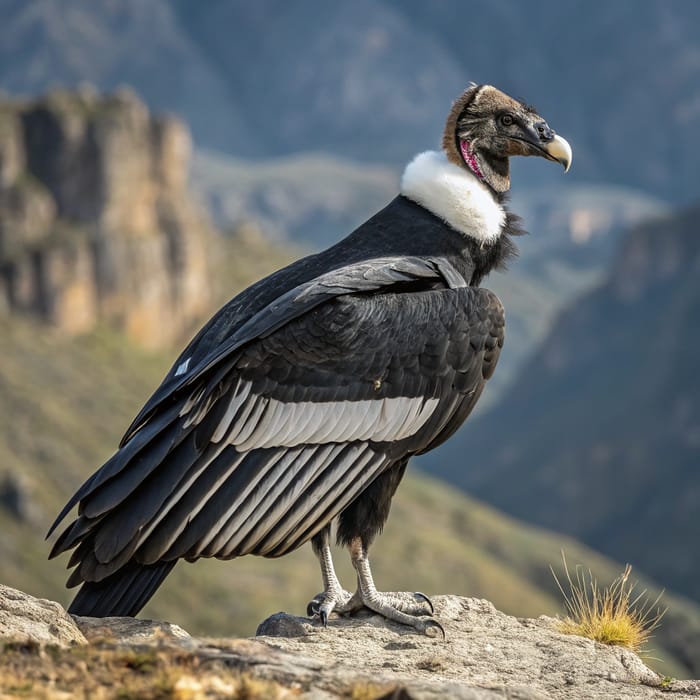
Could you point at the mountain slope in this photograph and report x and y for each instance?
(357, 79)
(311, 199)
(374, 81)
(64, 403)
(606, 78)
(141, 44)
(602, 428)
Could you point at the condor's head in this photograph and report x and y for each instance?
(485, 127)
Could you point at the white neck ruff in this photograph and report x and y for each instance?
(454, 195)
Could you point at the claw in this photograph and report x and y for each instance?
(427, 600)
(323, 604)
(403, 608)
(431, 628)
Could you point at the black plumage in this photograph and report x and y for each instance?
(301, 402)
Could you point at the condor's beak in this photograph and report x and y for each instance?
(540, 140)
(558, 149)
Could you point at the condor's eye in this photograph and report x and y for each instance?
(507, 119)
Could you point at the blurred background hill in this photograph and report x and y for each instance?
(120, 234)
(609, 451)
(369, 80)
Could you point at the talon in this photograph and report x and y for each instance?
(432, 628)
(322, 605)
(427, 600)
(401, 607)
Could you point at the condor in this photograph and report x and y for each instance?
(301, 401)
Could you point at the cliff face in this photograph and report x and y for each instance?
(96, 223)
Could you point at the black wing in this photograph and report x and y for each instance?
(230, 329)
(267, 441)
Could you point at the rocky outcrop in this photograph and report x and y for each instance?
(18, 499)
(96, 223)
(25, 619)
(486, 655)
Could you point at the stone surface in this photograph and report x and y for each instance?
(486, 655)
(96, 222)
(11, 153)
(24, 618)
(129, 630)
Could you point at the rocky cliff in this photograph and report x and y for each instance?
(96, 223)
(486, 655)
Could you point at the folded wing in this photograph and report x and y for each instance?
(258, 447)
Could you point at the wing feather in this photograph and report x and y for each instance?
(271, 422)
(115, 491)
(244, 428)
(239, 508)
(338, 494)
(135, 512)
(158, 438)
(358, 277)
(286, 491)
(240, 394)
(180, 534)
(276, 441)
(192, 494)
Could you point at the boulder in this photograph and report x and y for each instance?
(25, 619)
(486, 654)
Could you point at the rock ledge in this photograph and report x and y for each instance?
(486, 655)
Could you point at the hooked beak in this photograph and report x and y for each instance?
(558, 149)
(540, 140)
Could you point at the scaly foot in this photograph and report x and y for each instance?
(411, 609)
(332, 600)
(408, 609)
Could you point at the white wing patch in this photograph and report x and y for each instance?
(182, 367)
(253, 421)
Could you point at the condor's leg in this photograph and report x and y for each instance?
(358, 526)
(333, 594)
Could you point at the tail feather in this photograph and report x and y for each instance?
(124, 457)
(122, 594)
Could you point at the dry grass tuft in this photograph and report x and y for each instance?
(613, 615)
